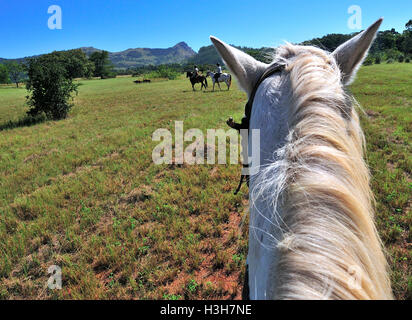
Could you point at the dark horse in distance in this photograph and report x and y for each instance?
(197, 79)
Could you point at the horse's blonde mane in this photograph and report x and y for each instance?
(330, 247)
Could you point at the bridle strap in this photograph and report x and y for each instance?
(245, 123)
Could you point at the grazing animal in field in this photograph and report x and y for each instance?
(312, 233)
(224, 77)
(147, 81)
(197, 79)
(137, 81)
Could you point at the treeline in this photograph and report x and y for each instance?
(75, 62)
(389, 45)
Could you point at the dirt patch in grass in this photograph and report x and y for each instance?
(140, 194)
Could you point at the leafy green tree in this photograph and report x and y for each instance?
(388, 39)
(167, 72)
(408, 25)
(50, 86)
(16, 72)
(102, 65)
(407, 39)
(76, 63)
(4, 74)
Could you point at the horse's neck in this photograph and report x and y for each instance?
(270, 116)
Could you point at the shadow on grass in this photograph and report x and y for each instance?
(203, 91)
(26, 121)
(216, 91)
(189, 91)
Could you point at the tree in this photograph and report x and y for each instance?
(50, 86)
(102, 65)
(387, 40)
(407, 43)
(4, 74)
(16, 72)
(76, 63)
(407, 38)
(408, 25)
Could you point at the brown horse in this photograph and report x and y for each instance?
(197, 79)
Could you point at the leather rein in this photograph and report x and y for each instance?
(245, 123)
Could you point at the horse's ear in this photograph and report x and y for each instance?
(246, 69)
(351, 54)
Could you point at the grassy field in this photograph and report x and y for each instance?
(84, 194)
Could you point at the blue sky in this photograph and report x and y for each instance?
(116, 25)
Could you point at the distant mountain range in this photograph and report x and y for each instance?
(145, 56)
(141, 56)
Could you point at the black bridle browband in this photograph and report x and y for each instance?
(245, 123)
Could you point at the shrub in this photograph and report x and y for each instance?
(401, 59)
(392, 54)
(378, 60)
(163, 72)
(368, 61)
(407, 60)
(389, 61)
(168, 73)
(50, 87)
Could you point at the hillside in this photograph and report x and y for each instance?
(208, 55)
(141, 56)
(145, 56)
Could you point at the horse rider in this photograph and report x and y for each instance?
(195, 72)
(218, 72)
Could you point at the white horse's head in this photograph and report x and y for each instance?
(303, 231)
